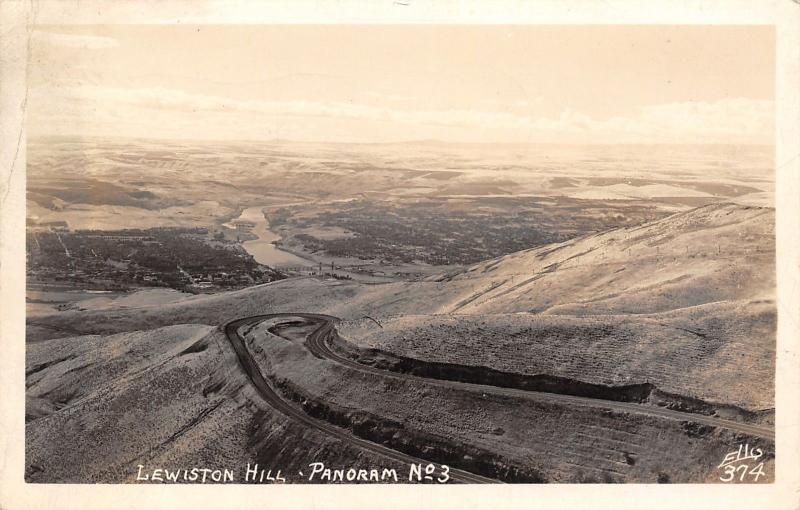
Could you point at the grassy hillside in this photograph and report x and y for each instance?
(725, 353)
(720, 252)
(685, 303)
(171, 397)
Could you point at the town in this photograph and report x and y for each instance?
(188, 259)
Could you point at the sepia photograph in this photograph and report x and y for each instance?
(266, 254)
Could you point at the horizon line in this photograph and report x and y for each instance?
(37, 137)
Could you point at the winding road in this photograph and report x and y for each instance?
(272, 398)
(318, 343)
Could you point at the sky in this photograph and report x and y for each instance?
(456, 83)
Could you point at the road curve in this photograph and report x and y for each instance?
(264, 389)
(318, 344)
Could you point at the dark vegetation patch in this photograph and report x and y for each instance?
(158, 257)
(442, 231)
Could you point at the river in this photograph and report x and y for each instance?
(262, 248)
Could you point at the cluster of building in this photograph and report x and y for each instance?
(178, 258)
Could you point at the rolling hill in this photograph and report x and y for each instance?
(685, 303)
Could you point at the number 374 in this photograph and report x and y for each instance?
(730, 473)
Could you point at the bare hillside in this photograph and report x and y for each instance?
(685, 303)
(682, 304)
(715, 253)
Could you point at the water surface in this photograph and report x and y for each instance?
(262, 248)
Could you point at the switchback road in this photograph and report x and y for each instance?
(273, 399)
(318, 344)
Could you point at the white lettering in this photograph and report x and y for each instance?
(316, 467)
(250, 472)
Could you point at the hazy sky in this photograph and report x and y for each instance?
(565, 84)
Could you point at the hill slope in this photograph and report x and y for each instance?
(720, 252)
(685, 303)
